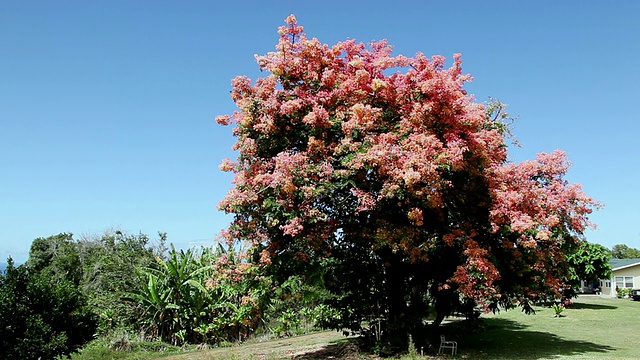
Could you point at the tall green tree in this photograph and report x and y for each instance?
(385, 169)
(110, 263)
(102, 267)
(57, 256)
(588, 262)
(622, 251)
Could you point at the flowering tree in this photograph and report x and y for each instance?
(384, 171)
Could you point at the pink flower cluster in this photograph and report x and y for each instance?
(533, 197)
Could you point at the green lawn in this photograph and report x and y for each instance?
(594, 328)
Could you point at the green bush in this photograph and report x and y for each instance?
(41, 317)
(623, 293)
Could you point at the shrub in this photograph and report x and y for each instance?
(623, 293)
(41, 317)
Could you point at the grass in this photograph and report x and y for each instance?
(137, 351)
(593, 328)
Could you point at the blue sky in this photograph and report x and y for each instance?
(107, 107)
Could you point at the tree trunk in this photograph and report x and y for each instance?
(443, 306)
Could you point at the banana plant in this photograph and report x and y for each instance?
(170, 296)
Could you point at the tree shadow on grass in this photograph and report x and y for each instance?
(506, 339)
(345, 349)
(579, 306)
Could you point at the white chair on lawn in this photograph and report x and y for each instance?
(448, 344)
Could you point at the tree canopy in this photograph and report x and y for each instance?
(622, 251)
(382, 171)
(103, 268)
(588, 262)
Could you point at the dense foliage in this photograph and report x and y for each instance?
(622, 251)
(589, 263)
(384, 171)
(102, 267)
(189, 298)
(214, 296)
(131, 291)
(41, 317)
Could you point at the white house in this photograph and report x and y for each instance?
(625, 273)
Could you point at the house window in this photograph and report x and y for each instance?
(605, 283)
(624, 282)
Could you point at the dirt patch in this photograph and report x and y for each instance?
(324, 345)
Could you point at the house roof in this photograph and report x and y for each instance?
(617, 264)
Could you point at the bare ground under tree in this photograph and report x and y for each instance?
(323, 345)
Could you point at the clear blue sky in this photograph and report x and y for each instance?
(107, 107)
